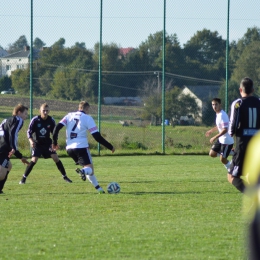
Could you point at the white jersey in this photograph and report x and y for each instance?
(77, 124)
(222, 122)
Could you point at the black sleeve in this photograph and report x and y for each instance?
(100, 139)
(56, 132)
(18, 154)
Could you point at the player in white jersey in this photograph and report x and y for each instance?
(77, 124)
(222, 142)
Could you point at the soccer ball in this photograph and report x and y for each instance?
(113, 188)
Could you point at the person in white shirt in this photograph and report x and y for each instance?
(77, 124)
(222, 142)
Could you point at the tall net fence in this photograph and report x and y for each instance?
(134, 115)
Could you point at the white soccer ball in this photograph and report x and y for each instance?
(113, 188)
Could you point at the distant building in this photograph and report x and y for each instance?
(17, 60)
(202, 94)
(3, 52)
(124, 51)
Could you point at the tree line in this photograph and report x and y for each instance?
(72, 73)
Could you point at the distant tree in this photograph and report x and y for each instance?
(59, 44)
(204, 55)
(236, 49)
(81, 45)
(233, 93)
(152, 47)
(21, 81)
(71, 85)
(248, 65)
(45, 82)
(205, 46)
(18, 45)
(110, 62)
(38, 43)
(5, 83)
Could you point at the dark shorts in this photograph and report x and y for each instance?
(80, 156)
(236, 166)
(223, 149)
(4, 160)
(42, 150)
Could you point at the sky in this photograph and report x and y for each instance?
(127, 23)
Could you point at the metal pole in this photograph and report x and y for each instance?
(163, 80)
(100, 72)
(227, 59)
(31, 64)
(158, 75)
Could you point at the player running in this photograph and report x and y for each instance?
(223, 142)
(77, 124)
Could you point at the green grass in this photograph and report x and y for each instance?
(170, 207)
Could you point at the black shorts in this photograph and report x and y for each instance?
(80, 156)
(42, 150)
(4, 160)
(223, 149)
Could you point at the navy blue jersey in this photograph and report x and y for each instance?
(39, 130)
(9, 129)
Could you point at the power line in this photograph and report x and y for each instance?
(138, 73)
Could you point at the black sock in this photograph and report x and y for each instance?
(2, 182)
(61, 168)
(29, 169)
(238, 183)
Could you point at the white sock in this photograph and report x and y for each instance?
(87, 170)
(227, 166)
(93, 180)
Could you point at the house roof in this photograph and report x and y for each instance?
(204, 92)
(124, 51)
(22, 54)
(3, 52)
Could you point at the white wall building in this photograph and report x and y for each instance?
(17, 60)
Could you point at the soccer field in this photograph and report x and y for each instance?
(170, 207)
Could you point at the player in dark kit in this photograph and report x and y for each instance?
(9, 129)
(244, 123)
(38, 134)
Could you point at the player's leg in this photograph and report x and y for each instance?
(237, 182)
(5, 168)
(85, 159)
(224, 153)
(29, 169)
(215, 149)
(60, 166)
(235, 172)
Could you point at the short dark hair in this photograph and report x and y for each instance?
(247, 85)
(216, 100)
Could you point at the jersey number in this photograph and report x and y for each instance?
(74, 127)
(252, 117)
(74, 135)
